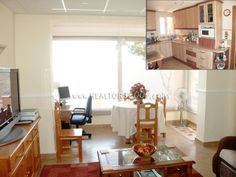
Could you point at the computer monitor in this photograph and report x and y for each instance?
(64, 93)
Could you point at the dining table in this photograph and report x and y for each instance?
(124, 118)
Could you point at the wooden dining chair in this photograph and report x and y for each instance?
(147, 123)
(63, 135)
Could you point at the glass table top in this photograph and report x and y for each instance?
(126, 157)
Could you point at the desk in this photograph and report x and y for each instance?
(66, 113)
(69, 107)
(123, 119)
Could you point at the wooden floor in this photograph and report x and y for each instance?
(104, 138)
(172, 63)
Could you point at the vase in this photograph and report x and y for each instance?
(138, 101)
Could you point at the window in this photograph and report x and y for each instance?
(106, 69)
(162, 26)
(170, 27)
(166, 25)
(87, 66)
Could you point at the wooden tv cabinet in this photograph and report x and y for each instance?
(22, 158)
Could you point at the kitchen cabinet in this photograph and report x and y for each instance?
(197, 57)
(201, 13)
(186, 18)
(210, 12)
(191, 55)
(179, 51)
(165, 48)
(151, 20)
(179, 19)
(205, 59)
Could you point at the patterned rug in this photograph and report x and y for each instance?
(71, 170)
(78, 170)
(187, 132)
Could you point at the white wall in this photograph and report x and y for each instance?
(7, 37)
(33, 52)
(217, 102)
(227, 20)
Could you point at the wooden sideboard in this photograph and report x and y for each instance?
(22, 158)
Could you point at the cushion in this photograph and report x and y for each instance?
(78, 119)
(229, 156)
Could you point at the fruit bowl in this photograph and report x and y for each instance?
(144, 150)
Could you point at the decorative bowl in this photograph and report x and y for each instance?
(144, 149)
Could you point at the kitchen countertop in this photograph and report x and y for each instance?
(191, 44)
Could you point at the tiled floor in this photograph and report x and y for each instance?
(103, 138)
(172, 63)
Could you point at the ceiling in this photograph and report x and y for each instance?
(78, 7)
(170, 5)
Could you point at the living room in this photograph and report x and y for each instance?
(29, 38)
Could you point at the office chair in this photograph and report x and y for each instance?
(81, 116)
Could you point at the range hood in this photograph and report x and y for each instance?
(2, 47)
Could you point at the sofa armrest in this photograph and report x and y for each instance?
(228, 142)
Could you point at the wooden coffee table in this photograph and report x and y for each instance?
(168, 161)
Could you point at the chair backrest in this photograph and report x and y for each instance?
(88, 109)
(147, 121)
(57, 115)
(147, 112)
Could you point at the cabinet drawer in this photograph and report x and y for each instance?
(195, 50)
(205, 55)
(35, 130)
(190, 58)
(28, 140)
(16, 157)
(179, 170)
(204, 64)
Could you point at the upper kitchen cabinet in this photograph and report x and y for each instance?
(186, 18)
(151, 20)
(209, 12)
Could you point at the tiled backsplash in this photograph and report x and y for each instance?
(185, 32)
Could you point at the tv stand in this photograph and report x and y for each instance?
(22, 158)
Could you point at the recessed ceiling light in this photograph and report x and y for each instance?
(84, 3)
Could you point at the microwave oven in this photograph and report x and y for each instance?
(207, 31)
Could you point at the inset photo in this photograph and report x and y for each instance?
(186, 35)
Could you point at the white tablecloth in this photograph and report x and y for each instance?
(124, 115)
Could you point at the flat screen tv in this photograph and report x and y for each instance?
(9, 99)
